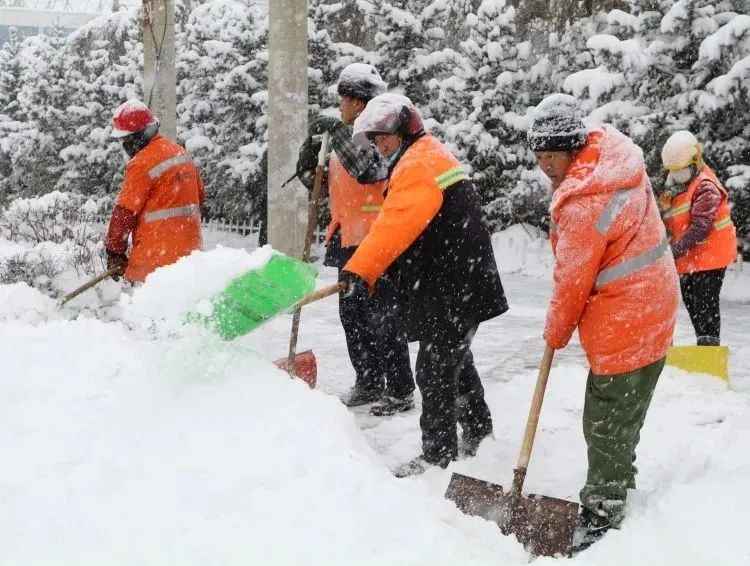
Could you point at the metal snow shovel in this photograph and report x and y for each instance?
(544, 525)
(86, 286)
(305, 365)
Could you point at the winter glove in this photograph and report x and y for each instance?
(117, 261)
(355, 288)
(307, 161)
(324, 124)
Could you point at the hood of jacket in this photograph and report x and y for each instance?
(608, 162)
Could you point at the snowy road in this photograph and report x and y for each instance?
(697, 432)
(507, 352)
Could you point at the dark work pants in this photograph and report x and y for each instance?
(700, 293)
(451, 393)
(377, 343)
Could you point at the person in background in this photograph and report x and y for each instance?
(614, 281)
(429, 241)
(375, 339)
(696, 209)
(160, 199)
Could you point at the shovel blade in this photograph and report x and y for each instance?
(544, 525)
(305, 367)
(711, 360)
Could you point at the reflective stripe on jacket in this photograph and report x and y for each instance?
(163, 188)
(719, 249)
(354, 206)
(614, 277)
(431, 241)
(415, 195)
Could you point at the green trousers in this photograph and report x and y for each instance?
(613, 415)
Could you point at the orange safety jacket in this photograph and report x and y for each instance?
(719, 249)
(354, 206)
(415, 195)
(614, 275)
(431, 242)
(163, 189)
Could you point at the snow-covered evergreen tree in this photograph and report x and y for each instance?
(222, 95)
(10, 75)
(90, 88)
(493, 133)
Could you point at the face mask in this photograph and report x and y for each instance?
(681, 176)
(393, 157)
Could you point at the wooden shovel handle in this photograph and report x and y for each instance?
(314, 204)
(533, 420)
(87, 286)
(312, 222)
(321, 293)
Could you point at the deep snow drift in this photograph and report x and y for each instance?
(143, 441)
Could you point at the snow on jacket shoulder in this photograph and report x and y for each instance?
(613, 279)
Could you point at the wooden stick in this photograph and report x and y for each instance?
(312, 221)
(519, 474)
(86, 286)
(321, 293)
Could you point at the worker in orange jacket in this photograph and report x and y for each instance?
(615, 281)
(430, 241)
(160, 199)
(696, 210)
(375, 339)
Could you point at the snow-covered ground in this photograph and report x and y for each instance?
(129, 440)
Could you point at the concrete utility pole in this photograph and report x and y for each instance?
(287, 123)
(159, 75)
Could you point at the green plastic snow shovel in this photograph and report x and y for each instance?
(258, 295)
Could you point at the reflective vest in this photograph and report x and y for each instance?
(719, 249)
(415, 195)
(431, 241)
(354, 206)
(163, 189)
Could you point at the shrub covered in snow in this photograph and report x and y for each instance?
(52, 233)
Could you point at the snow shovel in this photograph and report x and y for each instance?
(544, 525)
(712, 360)
(303, 367)
(86, 286)
(257, 296)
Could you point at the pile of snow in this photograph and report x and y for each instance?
(188, 285)
(21, 302)
(186, 450)
(737, 283)
(523, 249)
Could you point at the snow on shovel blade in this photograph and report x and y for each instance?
(305, 367)
(257, 296)
(544, 525)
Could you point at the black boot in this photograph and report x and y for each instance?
(589, 529)
(358, 396)
(417, 466)
(470, 444)
(389, 405)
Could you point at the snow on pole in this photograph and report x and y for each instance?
(159, 75)
(287, 123)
